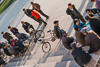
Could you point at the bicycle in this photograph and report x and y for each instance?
(46, 47)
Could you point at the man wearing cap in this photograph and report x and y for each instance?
(92, 40)
(75, 14)
(94, 23)
(97, 3)
(80, 56)
(67, 41)
(36, 7)
(57, 30)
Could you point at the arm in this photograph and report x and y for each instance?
(67, 11)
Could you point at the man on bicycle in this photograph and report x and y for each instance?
(27, 26)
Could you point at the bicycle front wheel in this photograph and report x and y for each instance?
(46, 47)
(40, 34)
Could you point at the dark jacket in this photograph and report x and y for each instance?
(74, 16)
(23, 36)
(95, 25)
(67, 41)
(28, 13)
(6, 51)
(26, 26)
(7, 36)
(80, 37)
(58, 32)
(20, 44)
(92, 40)
(14, 30)
(80, 56)
(95, 10)
(37, 6)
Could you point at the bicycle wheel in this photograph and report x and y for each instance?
(40, 34)
(46, 47)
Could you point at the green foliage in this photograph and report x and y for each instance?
(5, 4)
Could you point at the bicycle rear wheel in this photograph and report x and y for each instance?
(40, 34)
(46, 47)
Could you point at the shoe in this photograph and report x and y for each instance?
(47, 17)
(45, 24)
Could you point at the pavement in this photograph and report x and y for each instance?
(56, 9)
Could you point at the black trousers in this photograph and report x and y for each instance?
(36, 19)
(40, 19)
(41, 12)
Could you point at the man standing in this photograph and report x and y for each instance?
(13, 30)
(97, 3)
(75, 14)
(57, 30)
(35, 14)
(28, 13)
(27, 26)
(94, 23)
(7, 36)
(36, 7)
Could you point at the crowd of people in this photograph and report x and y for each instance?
(87, 33)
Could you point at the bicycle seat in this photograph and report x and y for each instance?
(48, 31)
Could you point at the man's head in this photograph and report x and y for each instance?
(76, 28)
(88, 11)
(73, 45)
(56, 23)
(24, 10)
(9, 27)
(87, 18)
(93, 0)
(32, 3)
(2, 33)
(70, 6)
(17, 34)
(76, 22)
(84, 31)
(16, 40)
(23, 22)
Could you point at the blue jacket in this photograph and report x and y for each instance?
(79, 26)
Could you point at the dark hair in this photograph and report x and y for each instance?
(76, 28)
(31, 2)
(92, 0)
(24, 9)
(91, 15)
(88, 10)
(22, 21)
(55, 21)
(69, 4)
(87, 17)
(9, 27)
(2, 32)
(76, 20)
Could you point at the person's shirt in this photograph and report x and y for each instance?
(98, 4)
(28, 13)
(14, 30)
(87, 25)
(79, 26)
(35, 14)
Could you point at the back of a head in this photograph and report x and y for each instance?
(87, 17)
(76, 28)
(32, 3)
(88, 10)
(9, 27)
(92, 0)
(76, 20)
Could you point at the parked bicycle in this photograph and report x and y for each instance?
(46, 47)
